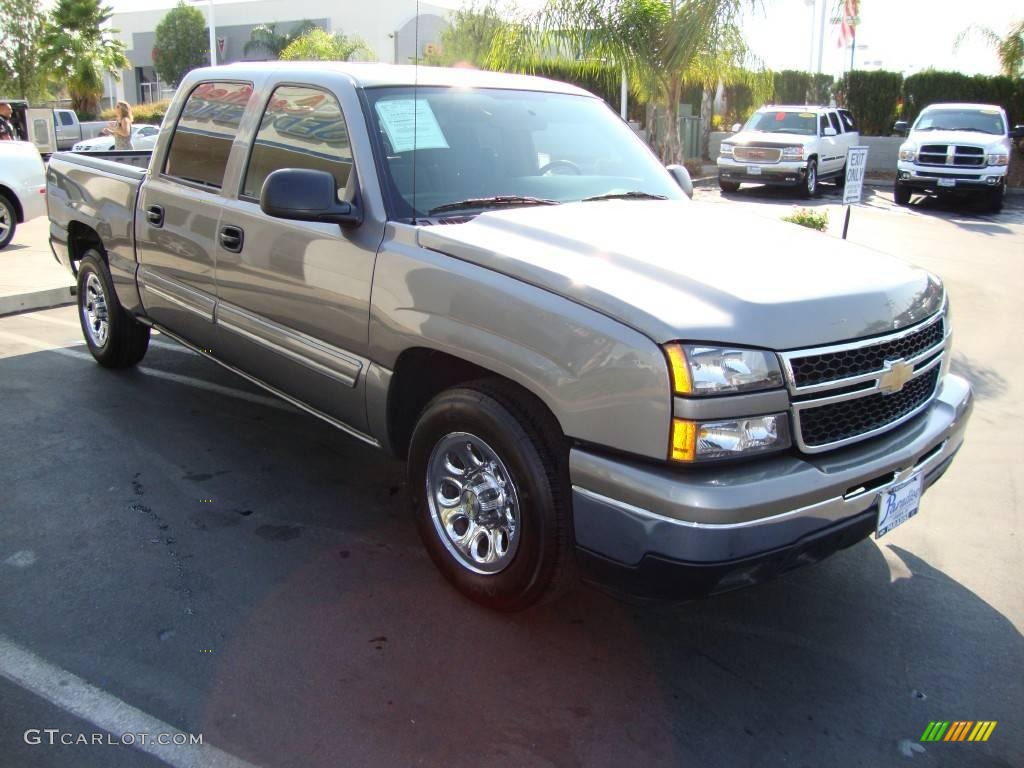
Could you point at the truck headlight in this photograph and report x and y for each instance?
(726, 150)
(997, 159)
(705, 370)
(730, 438)
(908, 155)
(792, 153)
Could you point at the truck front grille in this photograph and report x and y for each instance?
(939, 154)
(849, 392)
(757, 154)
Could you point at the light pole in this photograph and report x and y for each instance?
(213, 31)
(813, 5)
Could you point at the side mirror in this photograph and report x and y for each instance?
(900, 128)
(1017, 132)
(830, 131)
(302, 194)
(682, 177)
(736, 128)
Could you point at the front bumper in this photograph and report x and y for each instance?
(671, 533)
(950, 179)
(788, 173)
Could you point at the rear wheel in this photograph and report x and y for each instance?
(115, 338)
(810, 186)
(490, 488)
(728, 186)
(8, 221)
(901, 194)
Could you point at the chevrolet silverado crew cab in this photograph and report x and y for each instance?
(961, 149)
(492, 277)
(788, 146)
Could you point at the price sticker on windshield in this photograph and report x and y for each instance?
(856, 165)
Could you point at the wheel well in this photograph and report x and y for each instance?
(420, 375)
(81, 238)
(9, 194)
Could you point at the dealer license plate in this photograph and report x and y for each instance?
(897, 505)
(753, 170)
(947, 182)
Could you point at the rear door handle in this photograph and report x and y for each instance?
(231, 238)
(155, 215)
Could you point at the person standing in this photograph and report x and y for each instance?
(8, 130)
(121, 128)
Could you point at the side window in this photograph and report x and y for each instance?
(822, 124)
(66, 119)
(202, 138)
(847, 119)
(835, 122)
(302, 127)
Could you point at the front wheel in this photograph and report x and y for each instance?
(995, 199)
(810, 187)
(728, 186)
(115, 338)
(8, 221)
(491, 495)
(901, 194)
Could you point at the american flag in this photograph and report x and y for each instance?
(848, 22)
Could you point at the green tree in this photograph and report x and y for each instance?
(318, 45)
(662, 45)
(468, 37)
(181, 43)
(81, 49)
(1009, 48)
(265, 37)
(21, 28)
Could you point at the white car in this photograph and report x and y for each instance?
(957, 148)
(793, 146)
(143, 137)
(22, 186)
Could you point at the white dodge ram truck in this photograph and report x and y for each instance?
(957, 148)
(788, 146)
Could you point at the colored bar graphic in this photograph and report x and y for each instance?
(958, 730)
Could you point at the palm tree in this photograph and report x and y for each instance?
(1010, 48)
(265, 37)
(81, 50)
(318, 45)
(660, 44)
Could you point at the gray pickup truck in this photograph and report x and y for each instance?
(492, 277)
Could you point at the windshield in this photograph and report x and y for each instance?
(452, 145)
(980, 120)
(803, 123)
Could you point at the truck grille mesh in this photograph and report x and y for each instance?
(838, 421)
(832, 366)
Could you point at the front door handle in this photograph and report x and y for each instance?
(231, 238)
(155, 215)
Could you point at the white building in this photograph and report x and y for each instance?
(388, 26)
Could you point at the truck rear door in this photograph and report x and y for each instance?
(39, 123)
(178, 211)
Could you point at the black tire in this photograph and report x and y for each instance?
(533, 454)
(841, 178)
(125, 340)
(8, 221)
(901, 194)
(994, 201)
(728, 186)
(810, 185)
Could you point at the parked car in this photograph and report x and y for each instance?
(571, 383)
(51, 129)
(22, 187)
(143, 137)
(793, 146)
(956, 149)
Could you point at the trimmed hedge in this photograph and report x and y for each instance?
(791, 86)
(930, 87)
(873, 98)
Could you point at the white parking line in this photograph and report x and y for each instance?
(239, 394)
(107, 712)
(48, 319)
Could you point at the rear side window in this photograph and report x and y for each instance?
(202, 138)
(66, 119)
(302, 127)
(847, 119)
(835, 122)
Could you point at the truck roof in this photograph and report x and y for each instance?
(962, 105)
(795, 108)
(373, 75)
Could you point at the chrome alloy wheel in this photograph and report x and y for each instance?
(5, 221)
(94, 311)
(473, 503)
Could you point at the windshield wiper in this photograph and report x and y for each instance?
(497, 201)
(976, 130)
(635, 195)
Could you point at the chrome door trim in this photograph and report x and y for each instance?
(336, 423)
(177, 293)
(301, 348)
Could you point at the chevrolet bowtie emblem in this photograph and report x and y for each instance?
(895, 374)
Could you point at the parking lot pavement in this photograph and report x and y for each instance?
(225, 565)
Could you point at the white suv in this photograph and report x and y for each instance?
(788, 146)
(956, 148)
(22, 186)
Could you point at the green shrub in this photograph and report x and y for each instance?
(932, 86)
(807, 217)
(151, 113)
(791, 86)
(872, 97)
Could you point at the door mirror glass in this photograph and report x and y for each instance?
(900, 128)
(736, 127)
(302, 194)
(1017, 132)
(682, 177)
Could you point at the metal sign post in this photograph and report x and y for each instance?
(856, 164)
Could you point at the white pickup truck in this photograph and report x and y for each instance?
(961, 149)
(793, 146)
(22, 187)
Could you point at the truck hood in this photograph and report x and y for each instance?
(958, 137)
(678, 270)
(763, 137)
